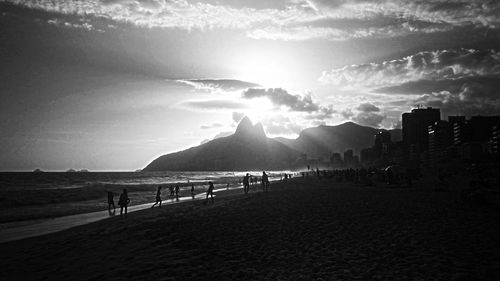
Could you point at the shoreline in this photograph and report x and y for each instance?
(18, 230)
(30, 203)
(97, 201)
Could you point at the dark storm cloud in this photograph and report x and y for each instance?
(281, 97)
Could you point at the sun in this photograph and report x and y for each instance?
(260, 109)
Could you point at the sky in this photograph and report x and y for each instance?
(110, 85)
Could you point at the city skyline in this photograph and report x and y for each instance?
(110, 85)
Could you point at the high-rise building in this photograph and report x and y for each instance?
(440, 138)
(415, 129)
(336, 160)
(382, 144)
(457, 124)
(368, 155)
(494, 143)
(348, 157)
(477, 129)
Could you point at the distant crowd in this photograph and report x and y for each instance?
(393, 175)
(174, 192)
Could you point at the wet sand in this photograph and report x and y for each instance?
(42, 204)
(301, 230)
(30, 228)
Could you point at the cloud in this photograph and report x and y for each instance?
(216, 84)
(308, 32)
(237, 116)
(464, 81)
(295, 103)
(488, 83)
(369, 119)
(323, 113)
(368, 107)
(212, 104)
(62, 23)
(474, 99)
(442, 64)
(281, 97)
(290, 20)
(366, 114)
(211, 126)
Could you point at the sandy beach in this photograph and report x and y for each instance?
(300, 230)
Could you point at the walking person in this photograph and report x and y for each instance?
(192, 191)
(265, 181)
(246, 183)
(171, 188)
(111, 202)
(123, 202)
(158, 197)
(210, 191)
(177, 191)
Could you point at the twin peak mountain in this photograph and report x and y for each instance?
(250, 149)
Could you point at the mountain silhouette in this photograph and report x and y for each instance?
(322, 141)
(247, 149)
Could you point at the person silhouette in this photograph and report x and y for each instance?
(158, 197)
(177, 191)
(246, 183)
(265, 181)
(123, 202)
(171, 188)
(111, 202)
(210, 191)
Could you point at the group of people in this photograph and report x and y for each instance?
(175, 192)
(123, 202)
(247, 179)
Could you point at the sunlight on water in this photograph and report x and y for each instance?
(62, 180)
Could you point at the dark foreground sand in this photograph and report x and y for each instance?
(314, 230)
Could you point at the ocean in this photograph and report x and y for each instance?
(71, 180)
(35, 195)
